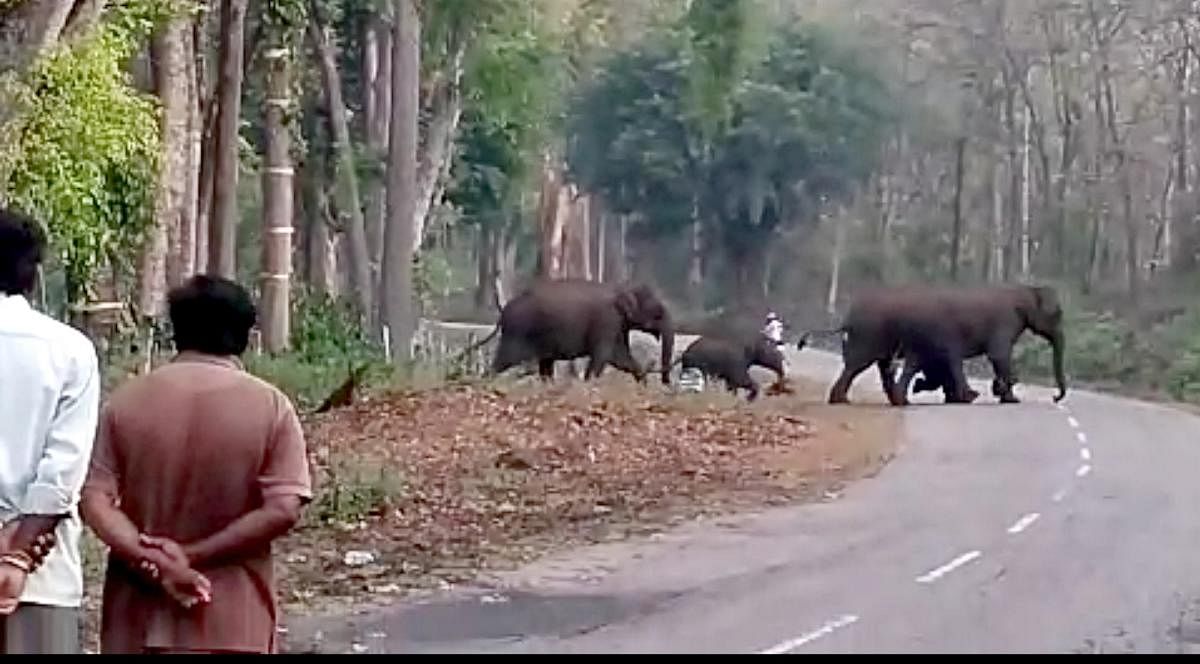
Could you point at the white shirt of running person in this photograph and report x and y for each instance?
(49, 405)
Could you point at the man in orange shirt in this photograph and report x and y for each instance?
(206, 464)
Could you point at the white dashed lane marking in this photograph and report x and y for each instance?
(934, 575)
(1023, 523)
(824, 630)
(1018, 527)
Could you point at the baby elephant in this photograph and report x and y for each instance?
(935, 374)
(731, 361)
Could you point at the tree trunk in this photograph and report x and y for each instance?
(505, 263)
(153, 273)
(378, 111)
(346, 198)
(191, 187)
(320, 257)
(1014, 180)
(222, 240)
(1026, 123)
(444, 111)
(400, 235)
(277, 205)
(485, 267)
(835, 270)
(377, 140)
(170, 54)
(1180, 201)
(695, 279)
(1132, 264)
(29, 28)
(553, 210)
(960, 150)
(576, 231)
(621, 273)
(205, 136)
(601, 244)
(997, 235)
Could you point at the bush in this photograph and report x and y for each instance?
(328, 342)
(1099, 348)
(352, 489)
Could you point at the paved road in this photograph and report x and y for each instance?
(1027, 528)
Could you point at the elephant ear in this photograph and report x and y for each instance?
(1046, 300)
(627, 304)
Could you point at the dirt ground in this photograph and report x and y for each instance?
(419, 492)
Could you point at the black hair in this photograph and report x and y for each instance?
(22, 246)
(211, 315)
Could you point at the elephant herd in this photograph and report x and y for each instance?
(932, 329)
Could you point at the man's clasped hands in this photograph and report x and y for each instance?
(161, 560)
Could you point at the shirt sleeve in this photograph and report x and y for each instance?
(61, 470)
(103, 472)
(285, 469)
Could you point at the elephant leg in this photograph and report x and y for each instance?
(851, 368)
(622, 359)
(743, 380)
(546, 370)
(887, 378)
(899, 394)
(508, 355)
(956, 382)
(968, 394)
(601, 355)
(1002, 383)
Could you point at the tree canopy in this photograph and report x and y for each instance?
(803, 127)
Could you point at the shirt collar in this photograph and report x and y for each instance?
(227, 361)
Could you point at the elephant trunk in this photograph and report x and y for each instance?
(667, 341)
(1056, 343)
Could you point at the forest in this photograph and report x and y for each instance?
(369, 164)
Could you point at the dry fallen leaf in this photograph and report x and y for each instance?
(467, 473)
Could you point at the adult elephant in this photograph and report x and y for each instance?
(568, 319)
(949, 324)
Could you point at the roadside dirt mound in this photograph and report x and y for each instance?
(425, 489)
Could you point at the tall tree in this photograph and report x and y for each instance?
(277, 185)
(400, 235)
(167, 254)
(222, 236)
(347, 199)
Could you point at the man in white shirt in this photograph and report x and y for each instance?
(49, 403)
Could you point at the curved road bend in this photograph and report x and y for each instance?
(1027, 528)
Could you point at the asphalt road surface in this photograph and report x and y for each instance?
(1024, 528)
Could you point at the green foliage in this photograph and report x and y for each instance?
(514, 86)
(328, 330)
(804, 122)
(86, 153)
(1110, 352)
(720, 40)
(327, 342)
(353, 489)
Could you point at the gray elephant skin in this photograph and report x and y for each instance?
(568, 319)
(731, 360)
(946, 325)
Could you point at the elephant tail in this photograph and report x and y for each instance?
(479, 343)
